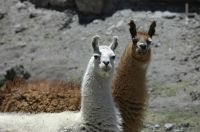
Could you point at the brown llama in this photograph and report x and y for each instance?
(39, 96)
(130, 82)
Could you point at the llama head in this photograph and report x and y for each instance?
(141, 40)
(104, 56)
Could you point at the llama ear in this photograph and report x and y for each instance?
(152, 30)
(132, 28)
(95, 43)
(114, 43)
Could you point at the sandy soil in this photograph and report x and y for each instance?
(56, 45)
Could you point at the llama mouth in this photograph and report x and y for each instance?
(142, 51)
(106, 69)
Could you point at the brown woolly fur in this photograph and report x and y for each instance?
(129, 86)
(39, 96)
(130, 90)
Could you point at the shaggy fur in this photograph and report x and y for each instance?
(130, 82)
(98, 112)
(45, 122)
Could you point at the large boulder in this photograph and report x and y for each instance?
(17, 71)
(168, 1)
(39, 3)
(96, 6)
(110, 6)
(57, 3)
(90, 6)
(62, 3)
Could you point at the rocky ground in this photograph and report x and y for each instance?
(55, 45)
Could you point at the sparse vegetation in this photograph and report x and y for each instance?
(169, 90)
(176, 116)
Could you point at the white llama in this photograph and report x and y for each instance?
(98, 112)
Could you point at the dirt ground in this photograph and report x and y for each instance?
(56, 45)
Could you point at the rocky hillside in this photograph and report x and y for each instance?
(54, 43)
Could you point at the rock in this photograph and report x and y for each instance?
(11, 74)
(68, 19)
(96, 21)
(90, 6)
(197, 69)
(2, 14)
(2, 43)
(2, 80)
(110, 5)
(66, 25)
(110, 30)
(57, 3)
(40, 3)
(164, 1)
(196, 56)
(178, 130)
(62, 3)
(158, 14)
(157, 126)
(168, 126)
(168, 15)
(32, 15)
(179, 80)
(195, 95)
(17, 71)
(119, 24)
(186, 59)
(156, 44)
(185, 125)
(20, 6)
(21, 44)
(35, 13)
(173, 58)
(19, 28)
(147, 125)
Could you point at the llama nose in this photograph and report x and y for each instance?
(143, 46)
(106, 62)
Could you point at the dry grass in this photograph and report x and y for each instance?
(39, 96)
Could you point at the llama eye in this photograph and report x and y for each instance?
(135, 40)
(96, 56)
(112, 57)
(149, 41)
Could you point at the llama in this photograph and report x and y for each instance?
(129, 85)
(98, 112)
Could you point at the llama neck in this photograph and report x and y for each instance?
(129, 88)
(97, 103)
(131, 75)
